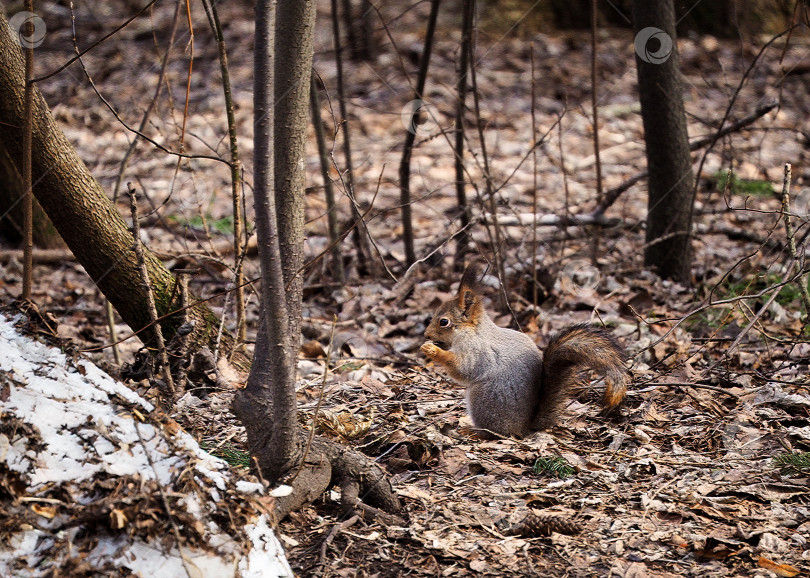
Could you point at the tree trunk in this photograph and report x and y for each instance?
(295, 27)
(671, 183)
(410, 137)
(267, 405)
(83, 215)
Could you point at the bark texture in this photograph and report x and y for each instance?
(295, 27)
(671, 182)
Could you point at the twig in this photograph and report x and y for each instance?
(595, 109)
(182, 369)
(150, 107)
(759, 313)
(714, 388)
(359, 222)
(94, 44)
(125, 162)
(304, 267)
(333, 534)
(792, 242)
(188, 81)
(115, 113)
(594, 99)
(695, 311)
(150, 298)
(733, 99)
(463, 238)
(303, 459)
(796, 263)
(27, 32)
(239, 247)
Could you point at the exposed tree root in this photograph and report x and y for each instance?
(366, 490)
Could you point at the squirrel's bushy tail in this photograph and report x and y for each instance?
(567, 355)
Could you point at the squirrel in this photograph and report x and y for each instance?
(512, 388)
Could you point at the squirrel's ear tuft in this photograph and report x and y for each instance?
(468, 289)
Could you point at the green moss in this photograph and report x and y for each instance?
(557, 467)
(234, 456)
(224, 226)
(743, 187)
(795, 462)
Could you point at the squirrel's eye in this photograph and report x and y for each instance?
(444, 322)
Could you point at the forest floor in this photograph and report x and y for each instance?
(686, 481)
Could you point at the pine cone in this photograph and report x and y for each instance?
(542, 525)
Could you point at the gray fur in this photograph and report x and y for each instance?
(501, 369)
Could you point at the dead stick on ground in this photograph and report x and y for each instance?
(150, 299)
(333, 534)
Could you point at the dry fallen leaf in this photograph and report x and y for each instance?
(44, 510)
(778, 569)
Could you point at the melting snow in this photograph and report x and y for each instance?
(87, 429)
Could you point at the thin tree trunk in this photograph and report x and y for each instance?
(282, 63)
(463, 239)
(367, 50)
(410, 137)
(365, 258)
(671, 191)
(293, 60)
(329, 192)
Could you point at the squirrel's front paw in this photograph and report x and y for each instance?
(430, 349)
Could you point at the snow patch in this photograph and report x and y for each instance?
(71, 428)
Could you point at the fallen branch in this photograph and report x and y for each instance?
(333, 534)
(530, 219)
